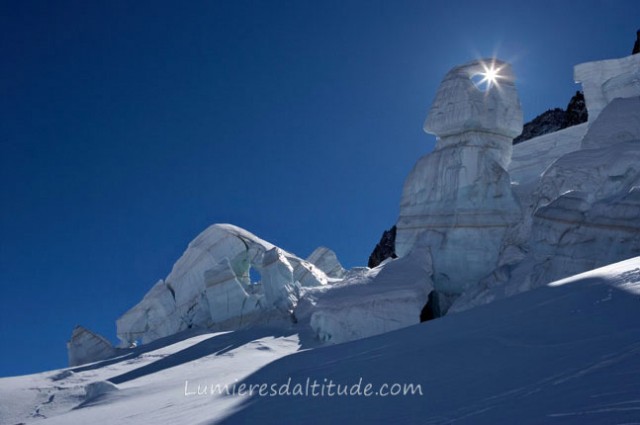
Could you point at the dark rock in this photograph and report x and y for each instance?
(576, 110)
(386, 248)
(547, 122)
(555, 119)
(636, 46)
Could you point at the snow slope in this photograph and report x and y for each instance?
(566, 353)
(150, 382)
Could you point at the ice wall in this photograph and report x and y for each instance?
(581, 209)
(210, 286)
(603, 81)
(458, 200)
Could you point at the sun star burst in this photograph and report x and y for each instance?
(490, 76)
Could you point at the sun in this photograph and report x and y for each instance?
(490, 76)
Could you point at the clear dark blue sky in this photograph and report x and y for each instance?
(126, 128)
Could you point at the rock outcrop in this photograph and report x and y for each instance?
(556, 119)
(577, 111)
(384, 249)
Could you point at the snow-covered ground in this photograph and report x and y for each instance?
(566, 353)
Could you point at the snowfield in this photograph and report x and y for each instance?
(565, 353)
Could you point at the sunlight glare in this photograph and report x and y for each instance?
(490, 76)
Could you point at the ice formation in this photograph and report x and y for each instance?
(498, 223)
(618, 122)
(370, 302)
(210, 286)
(479, 220)
(327, 261)
(458, 200)
(588, 201)
(603, 81)
(529, 160)
(581, 203)
(86, 346)
(465, 114)
(97, 389)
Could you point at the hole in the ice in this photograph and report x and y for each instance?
(431, 309)
(481, 82)
(254, 276)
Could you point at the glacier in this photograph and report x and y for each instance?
(580, 202)
(209, 288)
(480, 220)
(552, 224)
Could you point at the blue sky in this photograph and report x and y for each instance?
(128, 127)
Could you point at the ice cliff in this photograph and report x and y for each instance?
(457, 200)
(579, 190)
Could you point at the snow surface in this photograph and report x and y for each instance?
(565, 353)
